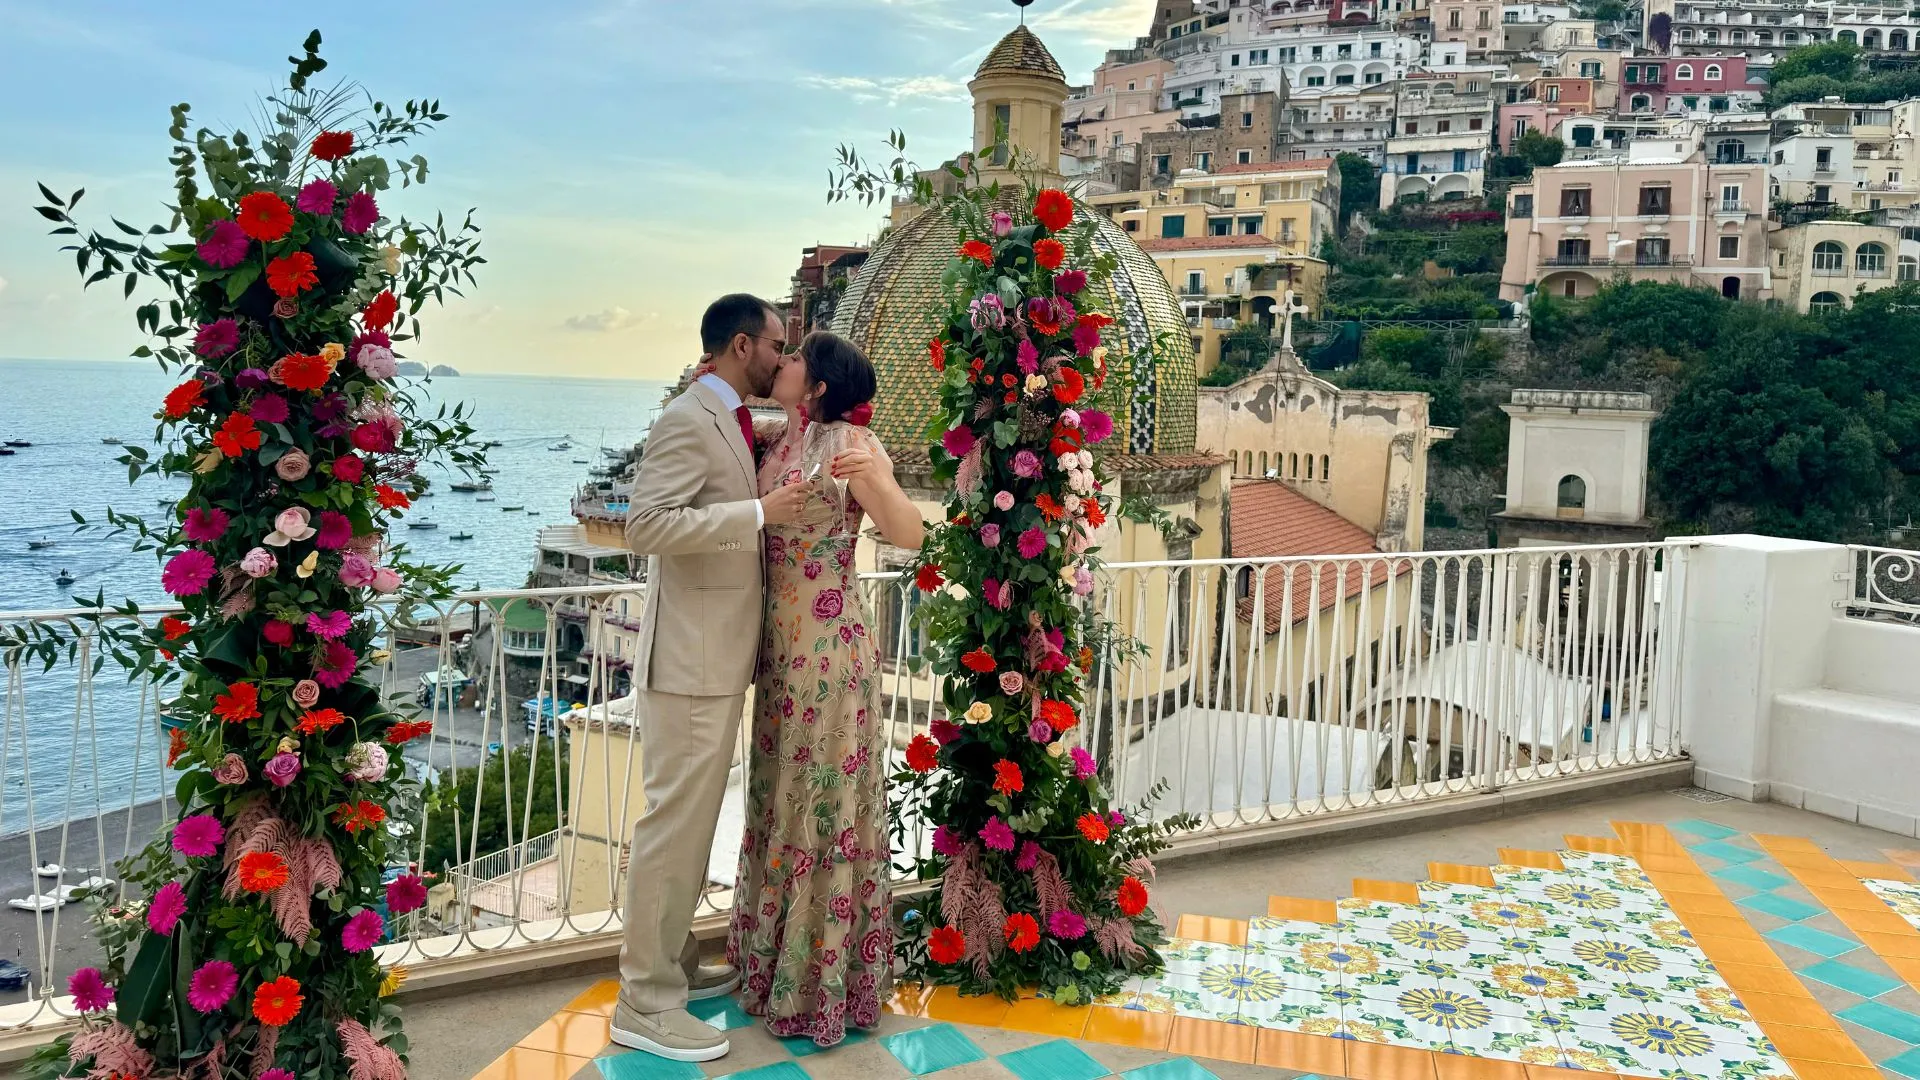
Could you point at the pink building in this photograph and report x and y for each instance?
(1119, 108)
(1670, 218)
(1686, 84)
(1547, 103)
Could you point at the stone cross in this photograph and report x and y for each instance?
(1290, 306)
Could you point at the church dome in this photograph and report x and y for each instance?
(1020, 53)
(894, 306)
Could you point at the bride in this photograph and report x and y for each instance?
(810, 932)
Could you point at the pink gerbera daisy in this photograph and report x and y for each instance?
(198, 836)
(212, 986)
(216, 339)
(1067, 926)
(187, 573)
(224, 246)
(276, 1074)
(329, 627)
(362, 932)
(269, 409)
(90, 991)
(333, 531)
(335, 666)
(360, 214)
(206, 524)
(317, 198)
(406, 893)
(996, 834)
(169, 903)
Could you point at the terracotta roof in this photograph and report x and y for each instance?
(1021, 53)
(1269, 519)
(1319, 163)
(1204, 243)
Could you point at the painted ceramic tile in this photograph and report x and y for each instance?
(1357, 1030)
(1265, 930)
(1292, 1009)
(1185, 957)
(1455, 1021)
(1448, 893)
(1570, 894)
(1901, 896)
(1213, 993)
(1506, 917)
(1571, 1055)
(1167, 994)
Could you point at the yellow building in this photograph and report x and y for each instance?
(1822, 265)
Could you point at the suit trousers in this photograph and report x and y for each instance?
(687, 745)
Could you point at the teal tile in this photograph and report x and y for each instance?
(639, 1065)
(1174, 1069)
(1907, 1064)
(722, 1012)
(1705, 829)
(1867, 984)
(1751, 877)
(807, 1047)
(784, 1070)
(1780, 906)
(1730, 853)
(1056, 1060)
(1818, 942)
(930, 1049)
(1885, 1019)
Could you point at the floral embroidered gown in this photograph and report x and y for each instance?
(809, 933)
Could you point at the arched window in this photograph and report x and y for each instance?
(1683, 71)
(1763, 37)
(1871, 260)
(1823, 301)
(1326, 468)
(1309, 466)
(1686, 35)
(1829, 256)
(1790, 37)
(1897, 39)
(1870, 39)
(1293, 466)
(1713, 71)
(1909, 268)
(1572, 500)
(1234, 457)
(1263, 463)
(1849, 37)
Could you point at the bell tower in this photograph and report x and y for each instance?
(1019, 87)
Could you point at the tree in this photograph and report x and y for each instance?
(1539, 150)
(1654, 315)
(1422, 352)
(1359, 186)
(451, 799)
(1838, 60)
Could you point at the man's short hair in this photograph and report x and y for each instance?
(735, 313)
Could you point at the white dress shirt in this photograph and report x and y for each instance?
(730, 401)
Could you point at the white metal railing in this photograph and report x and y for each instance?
(1885, 584)
(1269, 690)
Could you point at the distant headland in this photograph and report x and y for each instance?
(414, 369)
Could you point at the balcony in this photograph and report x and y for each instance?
(1575, 260)
(1659, 260)
(1521, 699)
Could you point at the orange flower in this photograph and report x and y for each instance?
(928, 578)
(176, 744)
(1049, 253)
(360, 816)
(237, 435)
(408, 730)
(1069, 386)
(291, 275)
(923, 754)
(1132, 897)
(1022, 932)
(1093, 827)
(1049, 508)
(264, 216)
(391, 499)
(239, 704)
(276, 1003)
(1096, 517)
(937, 352)
(1007, 779)
(946, 946)
(1084, 661)
(979, 660)
(1053, 208)
(977, 249)
(298, 371)
(380, 311)
(175, 629)
(262, 871)
(185, 398)
(319, 720)
(1059, 715)
(332, 145)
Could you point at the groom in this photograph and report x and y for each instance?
(694, 514)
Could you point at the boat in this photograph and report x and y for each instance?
(423, 523)
(580, 461)
(38, 545)
(63, 579)
(483, 498)
(6, 451)
(493, 442)
(471, 485)
(111, 441)
(463, 536)
(561, 446)
(533, 513)
(18, 442)
(511, 509)
(164, 502)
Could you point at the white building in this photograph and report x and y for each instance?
(1576, 468)
(1328, 121)
(1443, 130)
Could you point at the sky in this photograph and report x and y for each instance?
(627, 160)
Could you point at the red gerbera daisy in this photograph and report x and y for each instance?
(1007, 779)
(408, 730)
(237, 435)
(263, 871)
(1093, 827)
(390, 498)
(1053, 208)
(923, 754)
(264, 216)
(276, 1003)
(291, 275)
(979, 660)
(1059, 715)
(947, 945)
(360, 816)
(175, 629)
(1049, 507)
(1022, 932)
(1132, 897)
(332, 145)
(937, 352)
(185, 398)
(977, 249)
(1069, 386)
(239, 704)
(299, 371)
(176, 744)
(928, 577)
(380, 311)
(319, 720)
(1049, 253)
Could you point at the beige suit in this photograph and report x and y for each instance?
(693, 514)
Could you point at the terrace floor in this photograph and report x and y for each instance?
(1642, 935)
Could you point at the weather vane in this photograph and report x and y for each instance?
(1022, 5)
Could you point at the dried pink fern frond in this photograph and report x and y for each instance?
(970, 474)
(114, 1051)
(241, 828)
(1115, 938)
(214, 1065)
(369, 1059)
(1142, 868)
(1051, 887)
(323, 866)
(264, 1046)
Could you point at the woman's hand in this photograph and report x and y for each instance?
(860, 464)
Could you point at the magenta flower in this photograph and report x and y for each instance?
(362, 932)
(90, 991)
(334, 532)
(336, 665)
(1028, 858)
(269, 409)
(360, 214)
(1026, 464)
(371, 337)
(252, 378)
(990, 535)
(1068, 282)
(205, 525)
(187, 573)
(282, 769)
(212, 986)
(164, 911)
(277, 1074)
(1096, 425)
(945, 842)
(828, 604)
(331, 626)
(1002, 222)
(996, 835)
(1032, 543)
(406, 893)
(1027, 357)
(1084, 767)
(216, 339)
(1040, 731)
(958, 441)
(944, 732)
(224, 246)
(198, 836)
(1086, 338)
(1067, 926)
(317, 198)
(1116, 819)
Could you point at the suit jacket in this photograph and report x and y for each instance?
(692, 514)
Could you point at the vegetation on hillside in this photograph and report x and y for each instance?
(1836, 69)
(452, 796)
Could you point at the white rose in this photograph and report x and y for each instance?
(1086, 460)
(1073, 504)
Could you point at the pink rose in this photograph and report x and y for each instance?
(282, 769)
(990, 535)
(367, 762)
(348, 469)
(231, 770)
(1003, 501)
(1002, 222)
(385, 580)
(355, 571)
(1011, 682)
(306, 693)
(259, 563)
(828, 605)
(290, 525)
(293, 465)
(377, 362)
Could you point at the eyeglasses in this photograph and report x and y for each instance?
(779, 344)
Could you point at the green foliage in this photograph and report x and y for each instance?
(1605, 11)
(1359, 185)
(529, 775)
(1539, 150)
(1243, 350)
(1837, 60)
(1652, 315)
(1422, 352)
(1836, 69)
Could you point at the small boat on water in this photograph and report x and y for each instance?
(63, 579)
(511, 509)
(580, 461)
(7, 451)
(483, 498)
(533, 513)
(462, 536)
(39, 545)
(471, 485)
(111, 441)
(423, 523)
(18, 442)
(561, 446)
(493, 442)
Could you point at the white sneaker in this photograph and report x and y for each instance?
(676, 1034)
(712, 981)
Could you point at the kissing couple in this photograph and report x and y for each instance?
(749, 528)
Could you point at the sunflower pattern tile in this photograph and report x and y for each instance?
(1902, 896)
(1583, 967)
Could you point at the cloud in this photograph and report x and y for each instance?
(3, 284)
(1116, 22)
(891, 90)
(612, 320)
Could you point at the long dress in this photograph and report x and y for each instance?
(810, 932)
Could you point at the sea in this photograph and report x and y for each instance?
(66, 409)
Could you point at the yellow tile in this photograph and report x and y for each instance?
(1044, 1017)
(1549, 1072)
(1909, 859)
(984, 1011)
(600, 998)
(1391, 892)
(523, 1064)
(1816, 1044)
(909, 999)
(1734, 951)
(1212, 1039)
(1212, 928)
(1129, 1027)
(1654, 839)
(1302, 1053)
(1843, 899)
(1700, 904)
(1460, 874)
(1728, 927)
(1906, 969)
(1463, 1067)
(1760, 978)
(1601, 845)
(1293, 907)
(1804, 860)
(572, 1034)
(1885, 921)
(1785, 843)
(1890, 946)
(1378, 1061)
(1883, 870)
(1671, 884)
(1668, 864)
(1770, 1009)
(1830, 1070)
(1833, 879)
(1535, 860)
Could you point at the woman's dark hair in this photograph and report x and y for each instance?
(845, 370)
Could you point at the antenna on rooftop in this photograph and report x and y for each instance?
(1022, 5)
